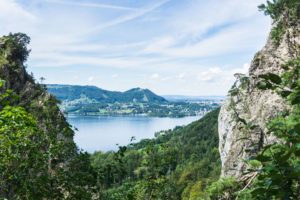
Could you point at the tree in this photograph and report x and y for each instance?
(23, 165)
(14, 47)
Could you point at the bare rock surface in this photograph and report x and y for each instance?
(252, 106)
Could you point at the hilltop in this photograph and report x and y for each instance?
(134, 95)
(91, 100)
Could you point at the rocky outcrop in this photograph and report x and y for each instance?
(33, 96)
(243, 117)
(48, 164)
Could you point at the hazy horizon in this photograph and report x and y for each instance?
(163, 95)
(171, 47)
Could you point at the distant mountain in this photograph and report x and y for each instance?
(73, 92)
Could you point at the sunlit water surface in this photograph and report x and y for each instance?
(103, 133)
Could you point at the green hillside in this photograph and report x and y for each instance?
(177, 164)
(91, 100)
(72, 92)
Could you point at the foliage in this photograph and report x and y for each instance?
(90, 100)
(27, 166)
(285, 13)
(177, 164)
(38, 158)
(224, 188)
(21, 158)
(279, 174)
(14, 47)
(278, 8)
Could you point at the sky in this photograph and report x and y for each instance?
(173, 47)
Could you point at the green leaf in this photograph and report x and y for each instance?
(285, 93)
(297, 127)
(264, 85)
(274, 78)
(296, 100)
(1, 83)
(263, 158)
(263, 76)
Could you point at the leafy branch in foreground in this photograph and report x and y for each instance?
(278, 174)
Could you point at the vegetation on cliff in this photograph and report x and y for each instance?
(38, 158)
(278, 165)
(273, 170)
(284, 13)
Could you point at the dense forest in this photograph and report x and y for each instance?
(39, 160)
(177, 164)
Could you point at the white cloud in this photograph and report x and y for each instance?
(14, 18)
(210, 74)
(166, 78)
(181, 76)
(218, 74)
(93, 5)
(155, 76)
(115, 76)
(75, 77)
(197, 17)
(91, 78)
(234, 39)
(243, 70)
(160, 43)
(195, 45)
(128, 17)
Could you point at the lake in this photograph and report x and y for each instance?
(103, 133)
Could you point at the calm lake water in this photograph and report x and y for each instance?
(103, 133)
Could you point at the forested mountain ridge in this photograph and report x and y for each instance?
(135, 95)
(93, 101)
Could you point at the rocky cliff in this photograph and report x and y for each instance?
(38, 157)
(243, 117)
(32, 96)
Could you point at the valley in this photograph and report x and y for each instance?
(82, 142)
(93, 101)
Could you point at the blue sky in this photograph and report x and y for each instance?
(187, 47)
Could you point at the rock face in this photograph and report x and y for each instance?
(34, 97)
(243, 117)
